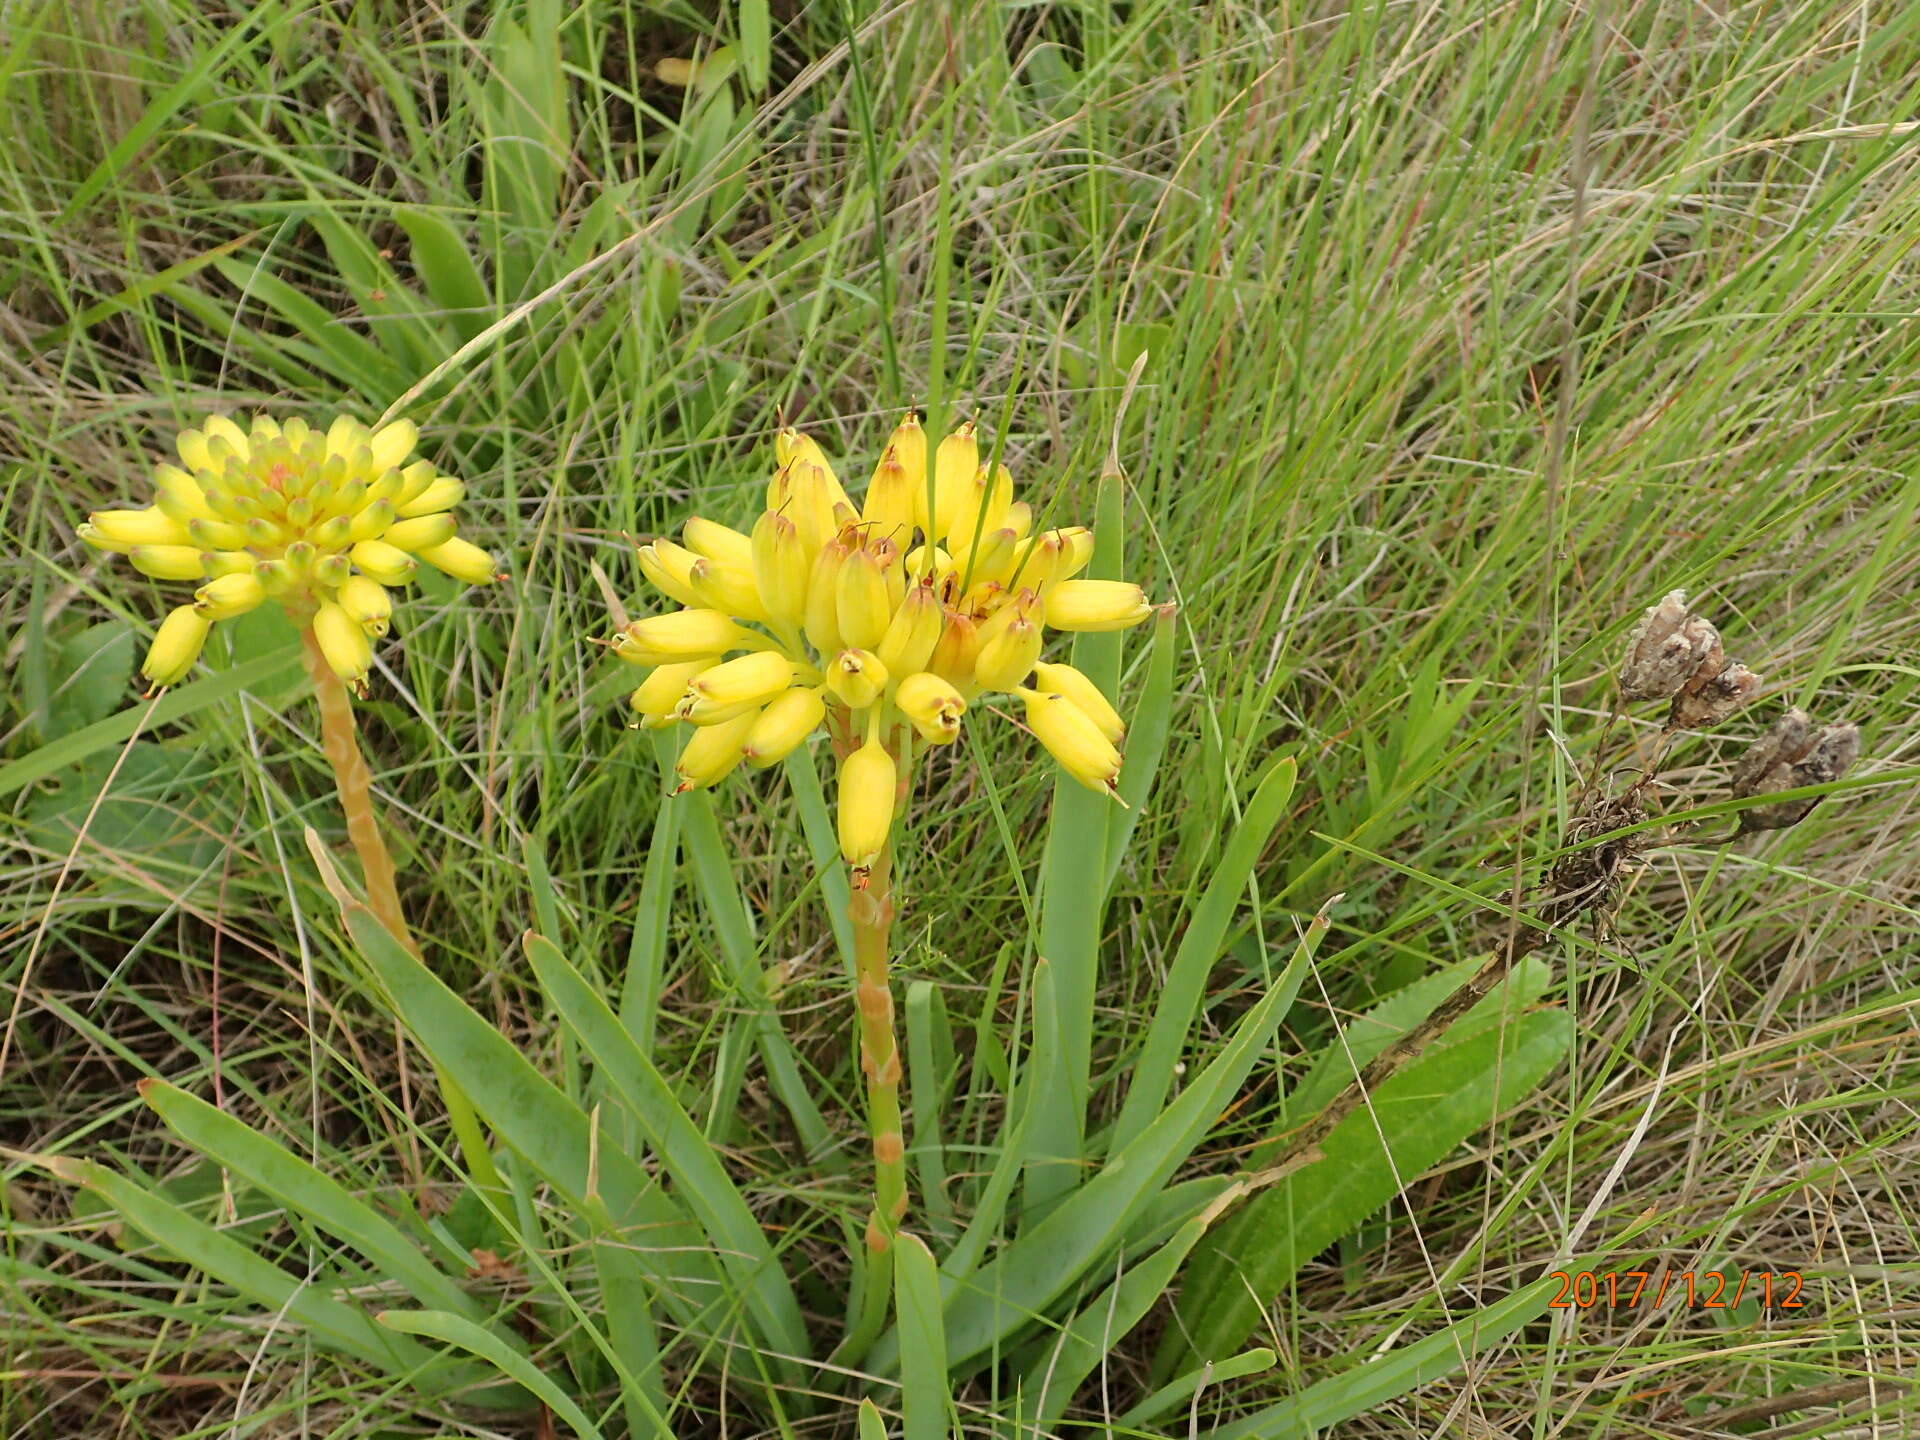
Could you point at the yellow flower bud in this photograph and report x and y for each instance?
(169, 562)
(953, 656)
(981, 508)
(784, 725)
(220, 431)
(460, 559)
(908, 446)
(683, 635)
(955, 464)
(392, 444)
(383, 562)
(924, 563)
(1096, 605)
(1073, 739)
(714, 751)
(1006, 660)
(862, 606)
(857, 678)
(368, 603)
(780, 569)
(1065, 680)
(669, 567)
(121, 530)
(721, 585)
(661, 691)
(442, 493)
(178, 496)
(718, 542)
(754, 678)
(422, 534)
(348, 650)
(1020, 519)
(913, 632)
(231, 562)
(868, 783)
(888, 510)
(811, 496)
(696, 710)
(991, 561)
(176, 645)
(933, 706)
(823, 599)
(229, 595)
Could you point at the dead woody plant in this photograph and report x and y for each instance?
(1675, 654)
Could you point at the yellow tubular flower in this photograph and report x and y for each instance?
(670, 569)
(857, 678)
(368, 603)
(913, 632)
(231, 595)
(861, 606)
(933, 706)
(176, 645)
(1067, 681)
(683, 635)
(782, 727)
(757, 678)
(879, 625)
(318, 520)
(780, 569)
(714, 541)
(1007, 660)
(343, 642)
(662, 690)
(823, 599)
(714, 752)
(1096, 605)
(868, 779)
(1073, 739)
(955, 463)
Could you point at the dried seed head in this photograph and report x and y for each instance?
(1670, 645)
(1789, 739)
(1710, 697)
(1831, 753)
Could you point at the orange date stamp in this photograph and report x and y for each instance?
(1697, 1290)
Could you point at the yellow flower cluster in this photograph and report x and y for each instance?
(882, 622)
(324, 522)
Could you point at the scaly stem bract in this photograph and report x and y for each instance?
(340, 740)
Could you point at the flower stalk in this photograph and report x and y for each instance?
(340, 742)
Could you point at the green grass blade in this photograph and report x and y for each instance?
(1076, 1352)
(1146, 742)
(457, 1330)
(720, 893)
(1314, 1412)
(531, 1114)
(1179, 998)
(117, 729)
(1178, 1392)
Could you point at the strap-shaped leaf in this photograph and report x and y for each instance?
(459, 1331)
(735, 1236)
(1423, 1112)
(1073, 904)
(549, 1131)
(1018, 1285)
(1179, 998)
(1146, 742)
(1107, 1319)
(924, 1397)
(306, 1191)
